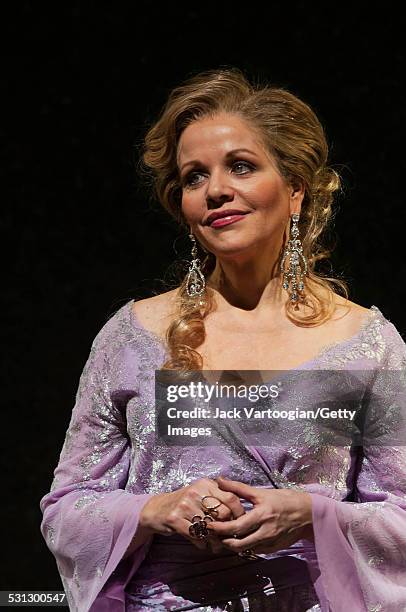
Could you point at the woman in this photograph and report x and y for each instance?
(288, 517)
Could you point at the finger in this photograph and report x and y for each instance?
(238, 488)
(241, 526)
(230, 500)
(250, 541)
(201, 543)
(167, 531)
(262, 545)
(221, 513)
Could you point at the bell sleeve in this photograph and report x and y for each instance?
(361, 544)
(89, 519)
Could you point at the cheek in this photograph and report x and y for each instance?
(188, 208)
(191, 207)
(266, 194)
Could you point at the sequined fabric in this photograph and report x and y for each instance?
(110, 465)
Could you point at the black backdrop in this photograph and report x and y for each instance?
(81, 82)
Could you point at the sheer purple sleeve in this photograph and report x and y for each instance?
(361, 545)
(89, 519)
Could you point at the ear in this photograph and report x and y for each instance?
(296, 195)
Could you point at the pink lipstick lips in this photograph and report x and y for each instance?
(226, 220)
(224, 213)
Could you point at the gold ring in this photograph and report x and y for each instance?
(210, 507)
(198, 528)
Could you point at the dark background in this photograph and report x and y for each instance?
(81, 82)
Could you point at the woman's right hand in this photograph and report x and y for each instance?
(169, 513)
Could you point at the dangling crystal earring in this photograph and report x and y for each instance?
(195, 282)
(295, 273)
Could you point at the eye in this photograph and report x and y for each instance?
(241, 163)
(189, 179)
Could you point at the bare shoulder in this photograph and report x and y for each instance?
(349, 315)
(154, 313)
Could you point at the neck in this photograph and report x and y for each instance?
(248, 284)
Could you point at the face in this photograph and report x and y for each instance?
(224, 166)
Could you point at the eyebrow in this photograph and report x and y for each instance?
(227, 156)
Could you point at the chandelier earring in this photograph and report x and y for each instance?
(296, 270)
(195, 281)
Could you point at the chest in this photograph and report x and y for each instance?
(262, 349)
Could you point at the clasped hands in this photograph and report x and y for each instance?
(278, 519)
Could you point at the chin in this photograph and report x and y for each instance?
(231, 250)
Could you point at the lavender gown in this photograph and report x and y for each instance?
(110, 466)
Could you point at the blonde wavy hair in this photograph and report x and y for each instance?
(295, 138)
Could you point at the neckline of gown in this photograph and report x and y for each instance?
(370, 316)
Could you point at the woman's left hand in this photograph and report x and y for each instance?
(279, 518)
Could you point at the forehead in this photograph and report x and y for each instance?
(219, 134)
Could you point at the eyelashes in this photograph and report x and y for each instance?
(189, 182)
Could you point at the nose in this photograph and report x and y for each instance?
(218, 190)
